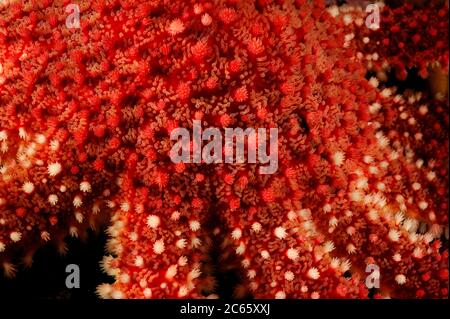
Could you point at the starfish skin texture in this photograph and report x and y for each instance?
(85, 122)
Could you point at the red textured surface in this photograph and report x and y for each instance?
(351, 177)
(408, 37)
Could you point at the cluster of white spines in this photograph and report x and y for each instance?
(338, 158)
(159, 246)
(176, 26)
(28, 150)
(54, 169)
(297, 221)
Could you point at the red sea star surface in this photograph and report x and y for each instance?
(86, 115)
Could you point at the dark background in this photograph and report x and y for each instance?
(46, 278)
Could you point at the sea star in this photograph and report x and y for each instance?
(86, 115)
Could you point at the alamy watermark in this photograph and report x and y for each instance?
(230, 149)
(373, 279)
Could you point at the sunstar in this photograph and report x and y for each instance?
(193, 309)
